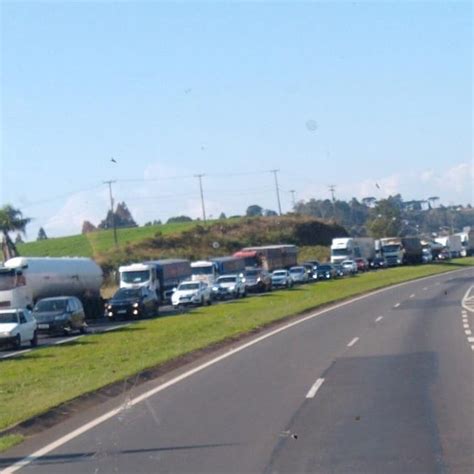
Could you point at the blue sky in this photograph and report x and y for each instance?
(227, 89)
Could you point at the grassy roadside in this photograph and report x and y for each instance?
(44, 378)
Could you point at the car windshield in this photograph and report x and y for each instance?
(226, 280)
(280, 273)
(50, 306)
(6, 318)
(297, 270)
(127, 293)
(325, 268)
(339, 252)
(252, 273)
(188, 286)
(135, 276)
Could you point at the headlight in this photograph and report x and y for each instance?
(109, 306)
(5, 334)
(136, 305)
(215, 288)
(398, 260)
(110, 313)
(135, 311)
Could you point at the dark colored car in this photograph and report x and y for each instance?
(257, 280)
(339, 269)
(378, 262)
(132, 303)
(60, 315)
(326, 272)
(362, 264)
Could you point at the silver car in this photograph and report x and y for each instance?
(299, 274)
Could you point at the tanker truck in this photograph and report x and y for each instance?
(25, 280)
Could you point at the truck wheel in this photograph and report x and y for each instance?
(17, 342)
(209, 301)
(244, 294)
(83, 329)
(34, 341)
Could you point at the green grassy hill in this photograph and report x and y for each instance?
(94, 243)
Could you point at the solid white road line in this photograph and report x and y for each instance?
(13, 354)
(412, 295)
(397, 305)
(106, 416)
(64, 341)
(113, 328)
(353, 342)
(425, 288)
(316, 386)
(379, 319)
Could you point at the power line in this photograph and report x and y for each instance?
(277, 189)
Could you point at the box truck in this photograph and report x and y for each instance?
(350, 248)
(210, 270)
(270, 257)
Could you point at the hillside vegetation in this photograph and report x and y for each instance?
(226, 237)
(192, 240)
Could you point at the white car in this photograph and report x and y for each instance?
(299, 274)
(191, 293)
(229, 286)
(17, 326)
(350, 266)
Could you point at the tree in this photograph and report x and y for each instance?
(386, 220)
(88, 227)
(151, 223)
(222, 216)
(254, 211)
(270, 213)
(18, 239)
(11, 220)
(122, 217)
(41, 234)
(369, 201)
(179, 219)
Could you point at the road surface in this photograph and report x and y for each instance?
(383, 384)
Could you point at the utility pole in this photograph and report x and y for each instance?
(332, 188)
(112, 210)
(200, 176)
(277, 189)
(293, 201)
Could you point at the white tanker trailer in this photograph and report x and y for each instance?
(25, 280)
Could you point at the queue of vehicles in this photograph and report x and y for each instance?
(57, 295)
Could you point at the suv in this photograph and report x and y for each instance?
(258, 280)
(229, 286)
(60, 315)
(17, 326)
(132, 303)
(191, 292)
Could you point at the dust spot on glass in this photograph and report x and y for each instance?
(311, 125)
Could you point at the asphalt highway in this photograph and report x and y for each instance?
(381, 384)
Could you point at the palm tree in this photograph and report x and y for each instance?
(11, 220)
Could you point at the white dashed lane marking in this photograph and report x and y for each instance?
(396, 305)
(353, 342)
(316, 386)
(379, 319)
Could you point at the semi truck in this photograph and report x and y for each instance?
(350, 248)
(402, 250)
(25, 280)
(210, 270)
(160, 276)
(467, 241)
(452, 243)
(270, 257)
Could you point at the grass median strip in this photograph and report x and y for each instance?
(45, 378)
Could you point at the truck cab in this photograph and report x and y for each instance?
(204, 270)
(13, 290)
(139, 275)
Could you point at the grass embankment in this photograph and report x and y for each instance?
(44, 378)
(93, 243)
